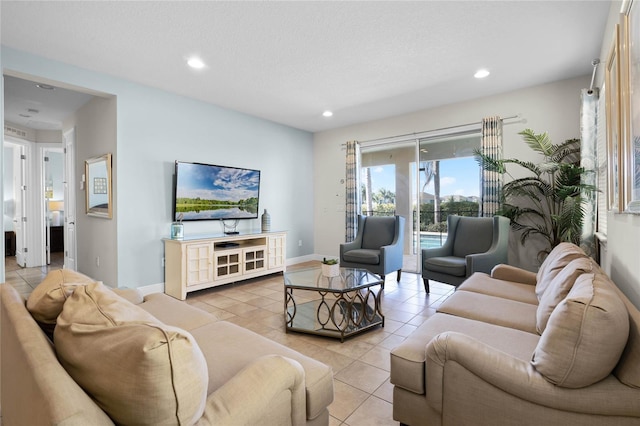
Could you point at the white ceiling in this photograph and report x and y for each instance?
(289, 61)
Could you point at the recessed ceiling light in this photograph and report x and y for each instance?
(195, 63)
(482, 73)
(327, 114)
(45, 86)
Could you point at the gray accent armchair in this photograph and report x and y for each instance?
(378, 246)
(473, 244)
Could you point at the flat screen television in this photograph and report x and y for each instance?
(211, 192)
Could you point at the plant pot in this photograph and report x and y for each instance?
(330, 270)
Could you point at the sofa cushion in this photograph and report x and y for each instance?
(176, 312)
(450, 265)
(492, 310)
(558, 289)
(243, 346)
(585, 335)
(482, 283)
(559, 257)
(137, 369)
(46, 300)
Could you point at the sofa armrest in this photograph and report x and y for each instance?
(514, 274)
(253, 394)
(498, 373)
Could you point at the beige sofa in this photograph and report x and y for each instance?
(560, 347)
(120, 358)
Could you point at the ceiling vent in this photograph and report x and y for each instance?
(12, 131)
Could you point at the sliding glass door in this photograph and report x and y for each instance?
(423, 180)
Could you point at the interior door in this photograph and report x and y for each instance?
(69, 201)
(48, 195)
(20, 192)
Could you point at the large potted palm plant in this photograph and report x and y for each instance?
(549, 201)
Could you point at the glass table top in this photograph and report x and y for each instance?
(348, 280)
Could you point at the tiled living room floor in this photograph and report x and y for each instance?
(363, 394)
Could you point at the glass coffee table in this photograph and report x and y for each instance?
(339, 306)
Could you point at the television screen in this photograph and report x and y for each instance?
(209, 192)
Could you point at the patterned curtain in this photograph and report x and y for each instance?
(588, 143)
(491, 182)
(353, 204)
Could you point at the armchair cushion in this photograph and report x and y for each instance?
(585, 335)
(451, 265)
(368, 256)
(473, 235)
(378, 232)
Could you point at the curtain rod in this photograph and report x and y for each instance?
(416, 135)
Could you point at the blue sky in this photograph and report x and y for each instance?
(459, 176)
(216, 182)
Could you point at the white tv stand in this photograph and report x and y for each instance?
(199, 262)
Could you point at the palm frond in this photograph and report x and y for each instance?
(538, 142)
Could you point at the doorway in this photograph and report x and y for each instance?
(34, 113)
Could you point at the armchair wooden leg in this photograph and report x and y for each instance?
(426, 285)
(382, 277)
(398, 277)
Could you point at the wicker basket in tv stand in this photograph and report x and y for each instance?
(196, 263)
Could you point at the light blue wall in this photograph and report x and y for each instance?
(155, 128)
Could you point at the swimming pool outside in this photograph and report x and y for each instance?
(432, 239)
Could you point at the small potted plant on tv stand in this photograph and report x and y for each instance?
(330, 267)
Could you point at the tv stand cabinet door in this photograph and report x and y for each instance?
(277, 251)
(199, 263)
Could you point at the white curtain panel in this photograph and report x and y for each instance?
(491, 182)
(352, 196)
(588, 143)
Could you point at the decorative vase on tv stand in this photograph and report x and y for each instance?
(266, 221)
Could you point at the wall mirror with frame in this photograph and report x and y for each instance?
(98, 186)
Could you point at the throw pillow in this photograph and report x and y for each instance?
(46, 300)
(585, 335)
(559, 288)
(559, 257)
(137, 369)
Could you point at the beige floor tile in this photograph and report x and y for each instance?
(373, 412)
(354, 349)
(363, 376)
(377, 357)
(346, 400)
(392, 341)
(405, 330)
(337, 361)
(385, 391)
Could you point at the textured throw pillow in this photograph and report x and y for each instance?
(558, 289)
(46, 300)
(137, 369)
(585, 335)
(559, 257)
